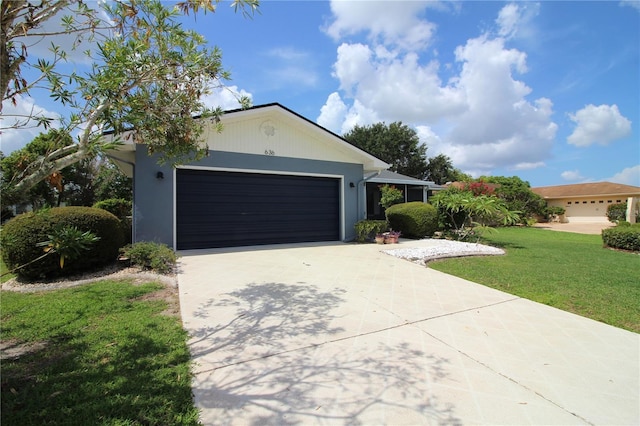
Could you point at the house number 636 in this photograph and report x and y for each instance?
(269, 152)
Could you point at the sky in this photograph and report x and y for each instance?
(547, 91)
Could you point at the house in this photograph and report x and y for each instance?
(271, 176)
(587, 202)
(413, 190)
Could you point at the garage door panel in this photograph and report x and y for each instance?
(226, 209)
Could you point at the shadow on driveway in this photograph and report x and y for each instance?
(319, 379)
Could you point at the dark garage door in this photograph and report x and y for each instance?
(227, 209)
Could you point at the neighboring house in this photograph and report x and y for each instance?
(413, 190)
(587, 202)
(272, 176)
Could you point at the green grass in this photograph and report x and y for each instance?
(566, 270)
(108, 357)
(3, 269)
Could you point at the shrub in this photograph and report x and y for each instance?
(153, 256)
(366, 230)
(414, 220)
(122, 209)
(23, 236)
(117, 206)
(616, 212)
(625, 237)
(390, 195)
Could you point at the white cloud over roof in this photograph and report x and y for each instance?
(598, 125)
(481, 117)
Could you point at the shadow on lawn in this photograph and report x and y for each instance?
(271, 364)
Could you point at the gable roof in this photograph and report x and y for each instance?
(586, 190)
(124, 155)
(292, 119)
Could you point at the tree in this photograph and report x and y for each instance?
(72, 185)
(45, 192)
(396, 144)
(518, 195)
(469, 215)
(440, 170)
(390, 195)
(148, 73)
(110, 182)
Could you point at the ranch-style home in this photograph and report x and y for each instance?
(587, 202)
(271, 176)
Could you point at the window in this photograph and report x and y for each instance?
(569, 203)
(618, 201)
(609, 201)
(584, 202)
(593, 202)
(601, 201)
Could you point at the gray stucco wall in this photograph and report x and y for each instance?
(153, 198)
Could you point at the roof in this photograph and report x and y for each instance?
(124, 155)
(387, 176)
(586, 190)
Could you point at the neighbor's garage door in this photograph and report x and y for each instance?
(227, 209)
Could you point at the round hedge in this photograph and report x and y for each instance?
(625, 236)
(121, 208)
(22, 234)
(415, 219)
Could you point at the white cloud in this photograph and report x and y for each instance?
(397, 87)
(17, 130)
(500, 128)
(359, 114)
(430, 138)
(515, 20)
(481, 118)
(628, 176)
(73, 44)
(528, 165)
(333, 113)
(225, 97)
(572, 175)
(598, 125)
(394, 24)
(631, 3)
(290, 67)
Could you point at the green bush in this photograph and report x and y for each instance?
(122, 209)
(118, 206)
(366, 230)
(625, 237)
(414, 220)
(154, 256)
(23, 236)
(616, 212)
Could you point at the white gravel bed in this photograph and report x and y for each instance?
(431, 249)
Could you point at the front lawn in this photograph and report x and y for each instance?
(566, 270)
(99, 354)
(5, 275)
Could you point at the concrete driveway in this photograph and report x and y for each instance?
(344, 334)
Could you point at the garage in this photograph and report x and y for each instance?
(231, 209)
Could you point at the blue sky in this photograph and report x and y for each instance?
(547, 91)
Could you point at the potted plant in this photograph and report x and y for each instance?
(391, 237)
(380, 238)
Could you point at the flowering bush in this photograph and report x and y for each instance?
(478, 188)
(390, 195)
